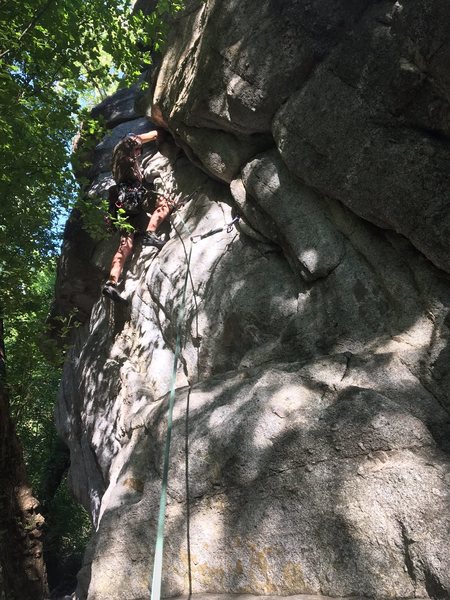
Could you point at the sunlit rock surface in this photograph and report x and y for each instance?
(310, 451)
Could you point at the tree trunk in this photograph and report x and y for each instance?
(22, 570)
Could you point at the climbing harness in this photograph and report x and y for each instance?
(227, 226)
(130, 198)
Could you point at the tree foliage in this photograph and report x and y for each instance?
(52, 54)
(56, 58)
(33, 383)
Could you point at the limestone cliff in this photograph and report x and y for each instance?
(311, 446)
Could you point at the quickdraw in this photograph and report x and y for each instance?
(227, 226)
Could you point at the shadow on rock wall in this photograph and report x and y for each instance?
(315, 356)
(327, 475)
(302, 486)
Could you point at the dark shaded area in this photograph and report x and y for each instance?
(22, 567)
(78, 280)
(434, 587)
(62, 574)
(54, 471)
(64, 535)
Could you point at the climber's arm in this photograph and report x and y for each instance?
(150, 136)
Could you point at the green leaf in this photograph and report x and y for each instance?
(57, 60)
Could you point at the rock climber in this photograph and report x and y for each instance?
(130, 194)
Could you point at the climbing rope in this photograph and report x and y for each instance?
(155, 593)
(159, 546)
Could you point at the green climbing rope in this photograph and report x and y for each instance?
(158, 560)
(155, 593)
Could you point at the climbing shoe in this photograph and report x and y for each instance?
(110, 290)
(151, 239)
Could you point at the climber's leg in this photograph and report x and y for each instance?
(159, 215)
(161, 212)
(123, 252)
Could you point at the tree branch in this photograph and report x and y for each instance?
(30, 25)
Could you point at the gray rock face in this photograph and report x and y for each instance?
(119, 107)
(225, 59)
(310, 449)
(357, 131)
(235, 66)
(286, 473)
(301, 217)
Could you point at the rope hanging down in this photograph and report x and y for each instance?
(155, 593)
(158, 560)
